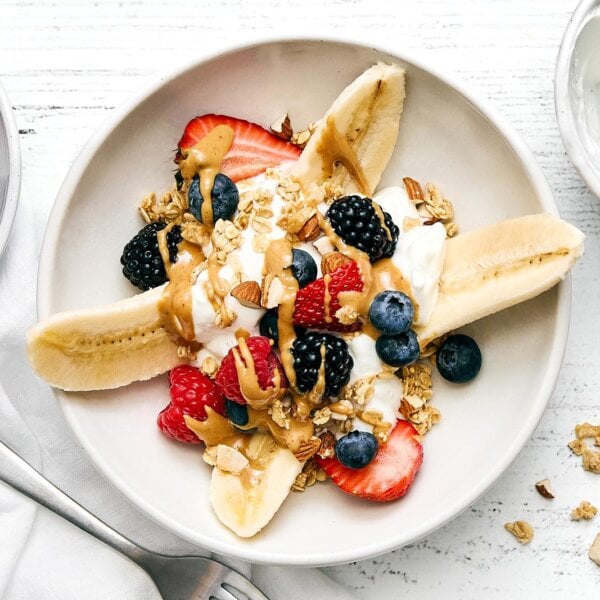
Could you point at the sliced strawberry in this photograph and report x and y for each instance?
(310, 300)
(391, 472)
(253, 149)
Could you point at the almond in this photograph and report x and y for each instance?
(248, 294)
(282, 127)
(544, 489)
(413, 189)
(324, 245)
(332, 261)
(272, 291)
(310, 230)
(307, 449)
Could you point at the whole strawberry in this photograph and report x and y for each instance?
(312, 310)
(266, 364)
(191, 392)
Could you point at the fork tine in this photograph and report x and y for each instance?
(236, 582)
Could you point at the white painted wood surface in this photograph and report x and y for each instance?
(67, 63)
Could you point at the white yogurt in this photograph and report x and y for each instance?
(386, 399)
(366, 360)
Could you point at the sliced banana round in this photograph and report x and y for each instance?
(103, 347)
(494, 267)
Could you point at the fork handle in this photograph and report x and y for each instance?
(20, 475)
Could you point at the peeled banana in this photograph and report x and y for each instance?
(498, 266)
(246, 501)
(360, 128)
(103, 347)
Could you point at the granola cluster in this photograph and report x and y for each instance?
(590, 458)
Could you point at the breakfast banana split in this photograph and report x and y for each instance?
(298, 309)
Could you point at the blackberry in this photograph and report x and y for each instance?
(355, 220)
(141, 260)
(306, 351)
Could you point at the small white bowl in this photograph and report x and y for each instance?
(447, 137)
(577, 91)
(10, 168)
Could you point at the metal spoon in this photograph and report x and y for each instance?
(176, 577)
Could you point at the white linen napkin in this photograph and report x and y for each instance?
(42, 556)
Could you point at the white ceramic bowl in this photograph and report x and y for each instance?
(577, 91)
(447, 137)
(10, 168)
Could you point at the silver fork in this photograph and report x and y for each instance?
(176, 577)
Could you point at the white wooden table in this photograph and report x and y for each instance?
(67, 63)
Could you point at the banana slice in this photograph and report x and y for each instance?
(245, 502)
(501, 265)
(103, 347)
(358, 133)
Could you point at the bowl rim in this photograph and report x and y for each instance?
(562, 105)
(11, 200)
(246, 551)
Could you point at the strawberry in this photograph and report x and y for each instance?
(265, 364)
(253, 149)
(390, 473)
(191, 391)
(310, 300)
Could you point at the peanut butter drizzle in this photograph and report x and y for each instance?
(175, 305)
(217, 429)
(278, 260)
(204, 159)
(292, 438)
(255, 396)
(334, 148)
(327, 298)
(216, 291)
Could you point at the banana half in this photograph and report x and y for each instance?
(498, 266)
(103, 347)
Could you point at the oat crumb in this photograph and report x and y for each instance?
(585, 511)
(522, 531)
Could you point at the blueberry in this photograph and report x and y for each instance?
(459, 358)
(356, 449)
(304, 267)
(392, 312)
(398, 350)
(237, 413)
(268, 325)
(224, 195)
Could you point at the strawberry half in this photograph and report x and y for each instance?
(391, 472)
(309, 310)
(253, 149)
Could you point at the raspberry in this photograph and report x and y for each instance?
(309, 310)
(265, 364)
(191, 391)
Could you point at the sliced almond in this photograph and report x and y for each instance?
(544, 488)
(230, 460)
(324, 245)
(282, 127)
(248, 294)
(413, 189)
(310, 230)
(301, 138)
(272, 291)
(332, 261)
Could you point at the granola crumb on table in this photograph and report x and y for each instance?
(590, 458)
(585, 511)
(522, 530)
